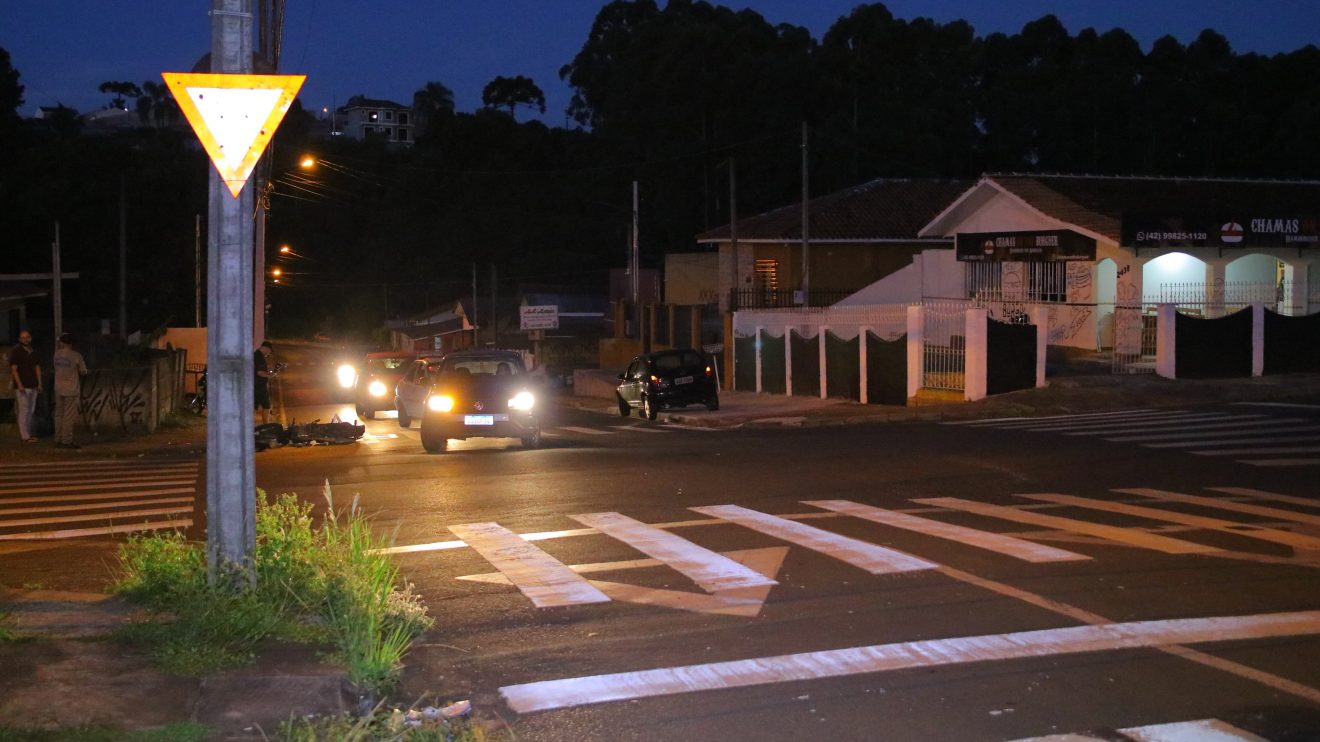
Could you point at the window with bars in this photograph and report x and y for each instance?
(1043, 281)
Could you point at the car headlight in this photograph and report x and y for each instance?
(376, 388)
(440, 403)
(347, 376)
(522, 401)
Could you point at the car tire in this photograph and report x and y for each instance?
(713, 403)
(433, 441)
(649, 410)
(624, 409)
(365, 413)
(404, 420)
(532, 440)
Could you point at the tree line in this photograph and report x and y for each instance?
(671, 97)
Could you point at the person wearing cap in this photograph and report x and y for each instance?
(69, 370)
(261, 384)
(25, 373)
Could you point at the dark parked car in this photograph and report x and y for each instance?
(667, 378)
(480, 394)
(373, 384)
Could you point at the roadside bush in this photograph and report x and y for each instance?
(308, 583)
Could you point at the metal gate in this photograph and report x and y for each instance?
(1134, 338)
(943, 341)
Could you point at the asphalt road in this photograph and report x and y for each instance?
(895, 630)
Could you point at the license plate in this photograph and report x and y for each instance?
(683, 380)
(478, 419)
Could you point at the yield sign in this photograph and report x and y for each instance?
(744, 601)
(234, 116)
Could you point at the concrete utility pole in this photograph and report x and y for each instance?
(56, 293)
(230, 465)
(197, 271)
(123, 258)
(806, 247)
(635, 269)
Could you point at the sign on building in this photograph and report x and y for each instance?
(539, 317)
(1048, 245)
(1221, 230)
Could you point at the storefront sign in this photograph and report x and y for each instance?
(999, 247)
(1241, 230)
(539, 317)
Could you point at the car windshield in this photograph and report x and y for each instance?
(676, 361)
(479, 366)
(386, 364)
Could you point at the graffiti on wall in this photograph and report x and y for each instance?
(122, 392)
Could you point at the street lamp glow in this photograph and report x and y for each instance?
(284, 250)
(307, 162)
(277, 273)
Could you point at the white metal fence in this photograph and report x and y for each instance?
(943, 351)
(887, 321)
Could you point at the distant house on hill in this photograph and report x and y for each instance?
(370, 118)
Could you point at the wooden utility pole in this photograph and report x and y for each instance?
(123, 258)
(56, 294)
(197, 271)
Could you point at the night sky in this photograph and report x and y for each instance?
(64, 49)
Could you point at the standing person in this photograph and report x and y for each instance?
(263, 370)
(69, 370)
(25, 372)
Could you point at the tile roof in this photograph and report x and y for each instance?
(883, 209)
(1098, 203)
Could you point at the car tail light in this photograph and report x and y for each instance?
(708, 371)
(441, 403)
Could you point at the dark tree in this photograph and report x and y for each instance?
(121, 90)
(431, 104)
(512, 92)
(11, 93)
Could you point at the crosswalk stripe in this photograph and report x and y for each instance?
(542, 578)
(1240, 507)
(1143, 422)
(1279, 462)
(546, 695)
(97, 464)
(74, 487)
(81, 477)
(584, 431)
(1230, 422)
(1287, 538)
(1210, 434)
(92, 506)
(993, 422)
(870, 557)
(1062, 738)
(97, 516)
(101, 531)
(1037, 422)
(1203, 730)
(712, 571)
(96, 496)
(1263, 495)
(1128, 536)
(1007, 545)
(1257, 451)
(641, 429)
(1262, 439)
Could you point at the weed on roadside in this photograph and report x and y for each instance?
(185, 732)
(381, 725)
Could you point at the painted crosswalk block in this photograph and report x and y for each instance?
(56, 500)
(1201, 730)
(1249, 438)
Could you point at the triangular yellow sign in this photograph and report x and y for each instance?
(234, 116)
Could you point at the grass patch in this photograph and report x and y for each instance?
(185, 732)
(325, 583)
(381, 725)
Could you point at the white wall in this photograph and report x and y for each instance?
(1255, 268)
(1175, 267)
(932, 273)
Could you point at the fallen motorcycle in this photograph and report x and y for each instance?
(315, 433)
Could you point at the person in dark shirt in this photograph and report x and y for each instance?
(25, 373)
(264, 371)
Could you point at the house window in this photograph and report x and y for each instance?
(767, 278)
(389, 133)
(389, 115)
(403, 118)
(373, 116)
(403, 135)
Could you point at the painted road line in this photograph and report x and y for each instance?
(870, 557)
(1062, 738)
(1197, 425)
(1144, 422)
(1278, 404)
(97, 496)
(1240, 507)
(101, 531)
(1279, 462)
(584, 431)
(99, 464)
(84, 474)
(1285, 429)
(98, 516)
(1263, 495)
(71, 487)
(92, 506)
(1204, 730)
(1007, 545)
(580, 691)
(993, 422)
(1263, 439)
(542, 578)
(1287, 538)
(641, 429)
(1129, 536)
(1258, 451)
(711, 571)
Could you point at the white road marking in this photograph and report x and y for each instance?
(1263, 438)
(1211, 434)
(97, 496)
(993, 422)
(1240, 507)
(97, 464)
(1263, 495)
(1129, 536)
(542, 578)
(73, 487)
(1278, 404)
(641, 429)
(1287, 538)
(80, 532)
(98, 516)
(584, 431)
(1257, 451)
(712, 571)
(1007, 545)
(1142, 423)
(1195, 426)
(1280, 462)
(1204, 730)
(85, 475)
(870, 557)
(92, 506)
(571, 692)
(1062, 738)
